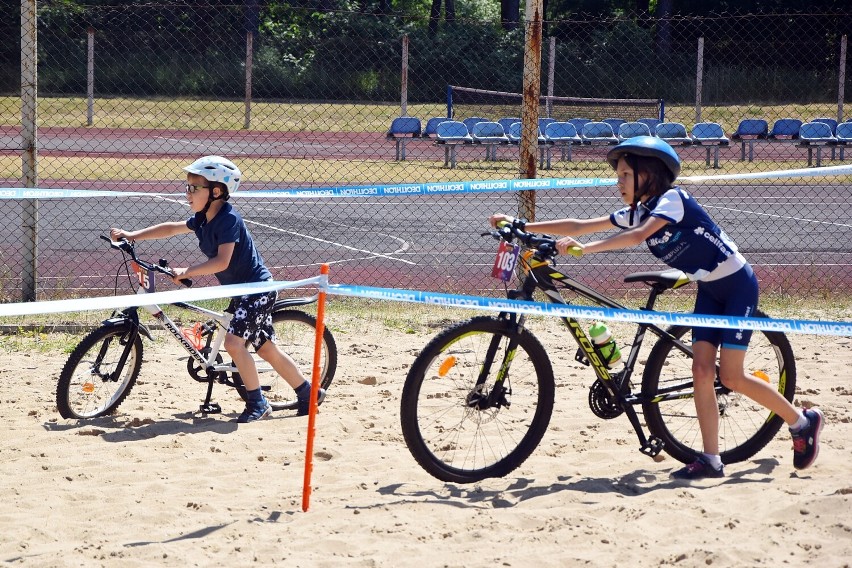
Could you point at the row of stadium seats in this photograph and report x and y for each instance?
(579, 131)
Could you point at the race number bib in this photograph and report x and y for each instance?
(507, 259)
(145, 278)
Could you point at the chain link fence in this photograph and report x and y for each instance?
(129, 94)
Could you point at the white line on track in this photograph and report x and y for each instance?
(785, 217)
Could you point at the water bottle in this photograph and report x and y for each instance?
(606, 345)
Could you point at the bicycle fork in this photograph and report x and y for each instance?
(498, 396)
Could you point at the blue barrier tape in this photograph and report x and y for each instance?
(593, 312)
(486, 186)
(170, 297)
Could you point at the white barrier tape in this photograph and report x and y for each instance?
(594, 312)
(486, 186)
(170, 297)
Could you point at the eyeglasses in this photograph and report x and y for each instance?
(193, 188)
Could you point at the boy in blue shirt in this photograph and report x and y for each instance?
(232, 257)
(679, 232)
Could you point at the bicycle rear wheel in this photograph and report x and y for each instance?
(449, 430)
(93, 381)
(745, 426)
(295, 333)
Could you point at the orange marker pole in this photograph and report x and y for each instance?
(315, 385)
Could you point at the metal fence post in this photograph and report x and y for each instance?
(699, 79)
(90, 76)
(29, 112)
(529, 112)
(551, 75)
(249, 58)
(404, 78)
(841, 87)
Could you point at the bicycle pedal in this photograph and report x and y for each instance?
(212, 408)
(580, 357)
(652, 447)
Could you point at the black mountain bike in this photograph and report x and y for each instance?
(479, 397)
(102, 369)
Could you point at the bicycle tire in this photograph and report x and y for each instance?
(745, 427)
(83, 391)
(295, 333)
(455, 442)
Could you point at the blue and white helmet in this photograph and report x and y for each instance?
(217, 169)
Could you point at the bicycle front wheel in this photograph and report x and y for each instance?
(449, 426)
(295, 334)
(745, 426)
(100, 372)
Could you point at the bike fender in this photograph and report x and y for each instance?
(290, 302)
(124, 322)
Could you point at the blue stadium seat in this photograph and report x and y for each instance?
(844, 136)
(748, 131)
(615, 123)
(816, 135)
(514, 134)
(403, 129)
(674, 133)
(633, 129)
(431, 128)
(598, 133)
(785, 129)
(507, 122)
(579, 123)
(710, 135)
(833, 124)
(470, 122)
(450, 134)
(562, 134)
(651, 122)
(490, 135)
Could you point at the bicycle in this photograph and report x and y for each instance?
(479, 397)
(104, 366)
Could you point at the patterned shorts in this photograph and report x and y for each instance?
(253, 318)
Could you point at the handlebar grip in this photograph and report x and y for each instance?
(186, 282)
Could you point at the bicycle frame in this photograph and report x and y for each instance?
(540, 274)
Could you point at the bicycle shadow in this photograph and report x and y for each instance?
(634, 484)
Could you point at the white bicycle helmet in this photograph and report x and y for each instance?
(217, 169)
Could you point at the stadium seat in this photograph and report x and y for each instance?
(816, 135)
(710, 135)
(749, 130)
(470, 122)
(450, 134)
(833, 124)
(507, 122)
(598, 133)
(651, 122)
(785, 129)
(543, 122)
(562, 134)
(431, 128)
(403, 129)
(674, 133)
(490, 135)
(633, 129)
(579, 123)
(514, 134)
(615, 123)
(844, 136)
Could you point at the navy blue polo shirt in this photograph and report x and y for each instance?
(228, 227)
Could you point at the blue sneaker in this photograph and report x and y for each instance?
(699, 469)
(806, 440)
(256, 412)
(305, 402)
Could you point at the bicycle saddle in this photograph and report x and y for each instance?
(666, 278)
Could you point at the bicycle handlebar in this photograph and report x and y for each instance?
(127, 247)
(543, 245)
